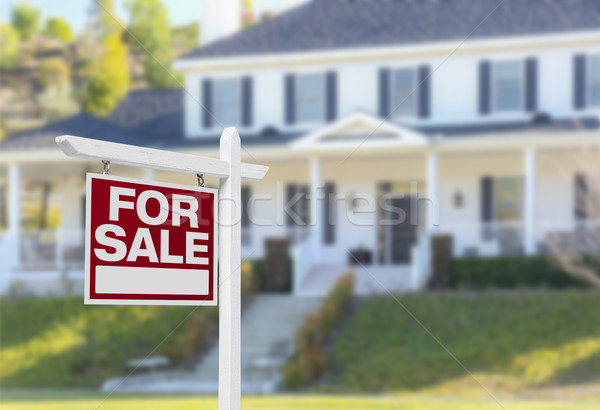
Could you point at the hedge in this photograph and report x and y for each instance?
(309, 361)
(509, 272)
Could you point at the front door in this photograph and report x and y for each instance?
(397, 226)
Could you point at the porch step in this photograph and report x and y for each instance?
(268, 329)
(370, 280)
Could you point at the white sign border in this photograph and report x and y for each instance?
(143, 302)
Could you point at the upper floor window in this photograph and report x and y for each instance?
(508, 85)
(594, 78)
(227, 101)
(310, 97)
(404, 97)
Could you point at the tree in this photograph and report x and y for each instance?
(150, 32)
(59, 29)
(54, 75)
(9, 46)
(103, 20)
(54, 72)
(106, 73)
(108, 78)
(26, 19)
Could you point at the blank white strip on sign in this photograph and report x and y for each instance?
(161, 281)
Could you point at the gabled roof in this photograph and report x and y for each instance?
(341, 24)
(359, 128)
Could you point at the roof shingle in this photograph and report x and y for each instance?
(339, 24)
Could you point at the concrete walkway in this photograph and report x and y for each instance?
(268, 329)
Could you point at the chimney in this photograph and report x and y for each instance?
(220, 18)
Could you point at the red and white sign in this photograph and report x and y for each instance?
(149, 243)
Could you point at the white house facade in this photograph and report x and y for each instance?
(383, 123)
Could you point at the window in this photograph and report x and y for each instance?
(226, 103)
(404, 94)
(508, 85)
(594, 78)
(310, 98)
(507, 199)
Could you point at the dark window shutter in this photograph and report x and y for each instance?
(485, 79)
(329, 214)
(331, 87)
(247, 101)
(290, 99)
(384, 92)
(487, 207)
(579, 83)
(245, 197)
(303, 204)
(531, 84)
(291, 190)
(207, 119)
(581, 197)
(424, 91)
(83, 211)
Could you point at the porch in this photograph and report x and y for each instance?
(508, 195)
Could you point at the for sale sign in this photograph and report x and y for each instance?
(149, 243)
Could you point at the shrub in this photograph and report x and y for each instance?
(294, 375)
(248, 280)
(309, 361)
(510, 272)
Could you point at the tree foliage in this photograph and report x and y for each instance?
(108, 78)
(26, 19)
(150, 32)
(107, 72)
(9, 46)
(104, 21)
(54, 72)
(59, 29)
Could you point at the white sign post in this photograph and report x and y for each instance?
(230, 170)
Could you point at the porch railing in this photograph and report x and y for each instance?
(51, 249)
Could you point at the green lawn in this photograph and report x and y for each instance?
(61, 343)
(289, 402)
(532, 344)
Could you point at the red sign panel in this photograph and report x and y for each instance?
(149, 243)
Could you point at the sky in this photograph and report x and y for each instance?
(180, 11)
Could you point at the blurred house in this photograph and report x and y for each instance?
(383, 122)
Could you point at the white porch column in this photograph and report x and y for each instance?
(432, 193)
(14, 212)
(148, 174)
(316, 214)
(529, 237)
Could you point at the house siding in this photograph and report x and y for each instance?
(454, 90)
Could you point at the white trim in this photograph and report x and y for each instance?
(559, 39)
(402, 136)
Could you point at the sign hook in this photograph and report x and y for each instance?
(200, 180)
(105, 167)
